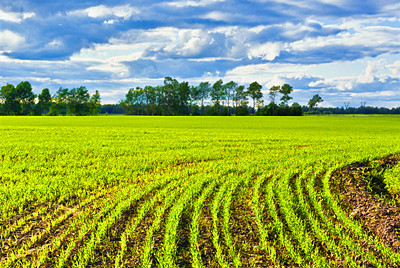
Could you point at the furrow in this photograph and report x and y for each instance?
(168, 258)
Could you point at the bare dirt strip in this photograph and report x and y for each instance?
(361, 189)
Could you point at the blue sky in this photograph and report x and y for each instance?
(344, 50)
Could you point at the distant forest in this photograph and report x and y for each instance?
(20, 100)
(171, 98)
(180, 98)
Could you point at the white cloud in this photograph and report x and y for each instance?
(218, 16)
(189, 3)
(376, 38)
(16, 17)
(375, 76)
(110, 57)
(268, 51)
(104, 52)
(298, 3)
(10, 41)
(267, 73)
(339, 83)
(385, 93)
(102, 11)
(110, 21)
(392, 8)
(192, 42)
(370, 73)
(174, 42)
(394, 68)
(333, 2)
(55, 44)
(116, 68)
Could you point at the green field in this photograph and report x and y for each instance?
(194, 191)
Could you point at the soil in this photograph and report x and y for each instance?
(361, 190)
(245, 235)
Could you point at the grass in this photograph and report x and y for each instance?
(69, 184)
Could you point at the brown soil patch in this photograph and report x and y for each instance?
(183, 256)
(329, 255)
(361, 191)
(244, 232)
(135, 243)
(108, 249)
(283, 257)
(206, 247)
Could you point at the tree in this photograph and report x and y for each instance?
(78, 101)
(59, 107)
(204, 89)
(254, 91)
(11, 105)
(131, 103)
(25, 97)
(229, 90)
(285, 91)
(273, 92)
(195, 96)
(44, 101)
(95, 103)
(182, 98)
(239, 96)
(151, 99)
(296, 110)
(170, 94)
(313, 102)
(240, 101)
(217, 93)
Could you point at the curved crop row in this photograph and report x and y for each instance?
(198, 192)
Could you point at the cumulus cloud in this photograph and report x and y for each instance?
(102, 11)
(10, 41)
(218, 16)
(394, 68)
(375, 86)
(170, 42)
(116, 44)
(16, 17)
(267, 51)
(200, 3)
(370, 74)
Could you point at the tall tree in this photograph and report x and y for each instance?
(217, 93)
(59, 107)
(230, 88)
(44, 101)
(313, 102)
(170, 93)
(151, 98)
(183, 97)
(195, 96)
(25, 97)
(240, 101)
(273, 92)
(285, 91)
(131, 103)
(239, 96)
(9, 96)
(95, 103)
(204, 88)
(254, 91)
(78, 101)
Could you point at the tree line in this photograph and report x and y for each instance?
(351, 110)
(20, 100)
(171, 98)
(180, 98)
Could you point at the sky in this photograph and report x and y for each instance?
(347, 51)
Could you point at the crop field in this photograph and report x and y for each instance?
(200, 191)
